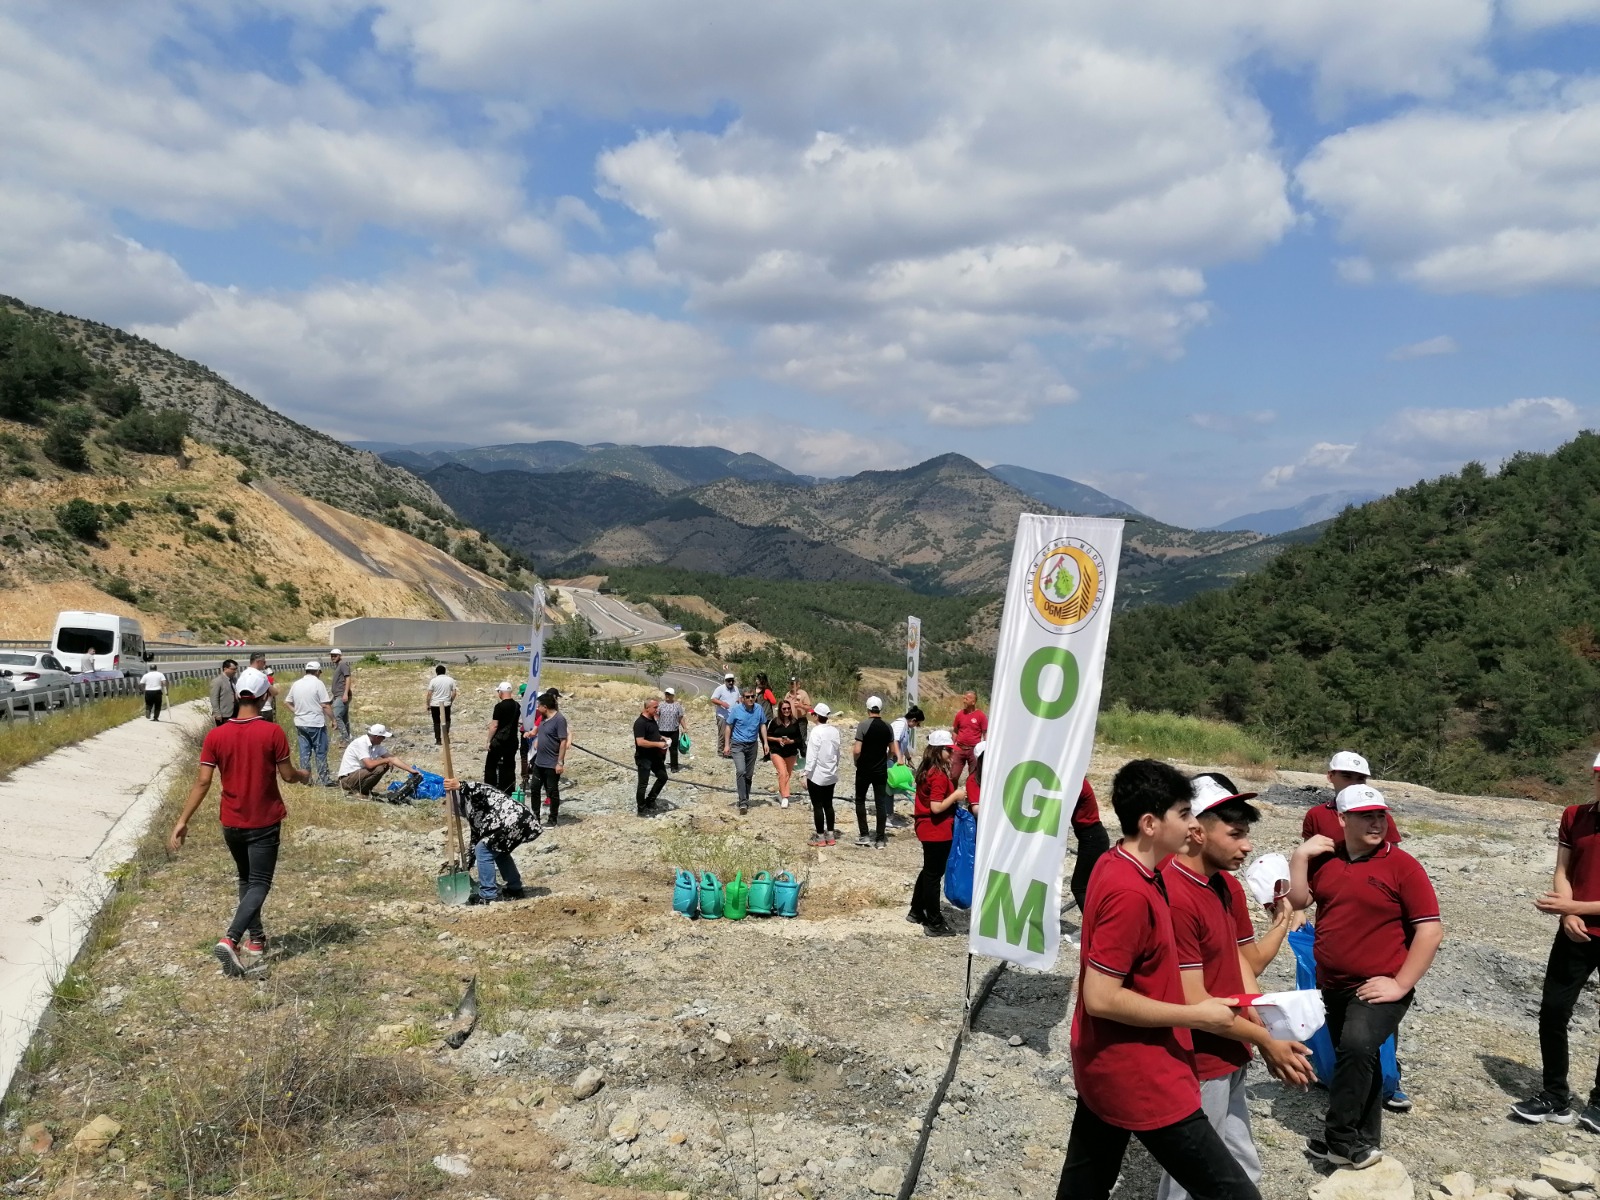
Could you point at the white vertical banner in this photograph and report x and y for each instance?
(913, 658)
(1042, 713)
(530, 697)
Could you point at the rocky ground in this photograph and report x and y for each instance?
(622, 1049)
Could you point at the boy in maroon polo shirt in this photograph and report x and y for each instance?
(252, 753)
(1211, 926)
(1345, 769)
(1574, 896)
(1378, 929)
(1132, 1054)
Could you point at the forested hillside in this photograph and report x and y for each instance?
(1448, 632)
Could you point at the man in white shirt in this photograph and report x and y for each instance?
(364, 762)
(154, 684)
(312, 705)
(722, 700)
(87, 662)
(822, 773)
(442, 692)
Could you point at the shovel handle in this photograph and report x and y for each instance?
(455, 808)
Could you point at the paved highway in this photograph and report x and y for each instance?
(612, 618)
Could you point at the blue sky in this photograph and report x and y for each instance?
(1209, 258)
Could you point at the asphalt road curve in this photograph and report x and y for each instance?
(612, 618)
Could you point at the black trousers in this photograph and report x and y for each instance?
(1355, 1094)
(1189, 1150)
(435, 710)
(879, 782)
(500, 766)
(1571, 964)
(255, 855)
(821, 804)
(925, 893)
(544, 781)
(152, 705)
(648, 765)
(1093, 841)
(672, 746)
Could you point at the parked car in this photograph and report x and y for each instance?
(33, 670)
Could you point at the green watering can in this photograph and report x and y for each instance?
(760, 902)
(737, 895)
(710, 896)
(901, 778)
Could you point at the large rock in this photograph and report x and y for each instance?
(1460, 1185)
(1565, 1176)
(625, 1128)
(96, 1136)
(1535, 1189)
(588, 1082)
(1384, 1180)
(885, 1181)
(35, 1141)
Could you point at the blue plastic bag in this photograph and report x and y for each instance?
(1303, 942)
(963, 861)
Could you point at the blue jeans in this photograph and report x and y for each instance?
(314, 745)
(488, 860)
(341, 717)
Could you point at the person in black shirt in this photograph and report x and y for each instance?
(500, 762)
(871, 752)
(649, 756)
(786, 737)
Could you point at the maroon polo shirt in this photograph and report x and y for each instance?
(1579, 835)
(1210, 921)
(247, 754)
(1131, 1077)
(1367, 913)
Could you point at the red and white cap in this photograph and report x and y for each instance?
(1208, 793)
(1349, 760)
(1360, 798)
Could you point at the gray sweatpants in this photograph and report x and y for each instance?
(1223, 1102)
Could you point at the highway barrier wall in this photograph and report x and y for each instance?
(415, 634)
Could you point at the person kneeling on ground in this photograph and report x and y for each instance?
(822, 774)
(1378, 930)
(363, 766)
(935, 817)
(1574, 896)
(1132, 1050)
(253, 754)
(1211, 926)
(499, 825)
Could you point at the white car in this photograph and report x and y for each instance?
(33, 670)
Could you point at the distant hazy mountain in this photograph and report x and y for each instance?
(662, 468)
(413, 447)
(1310, 511)
(1066, 494)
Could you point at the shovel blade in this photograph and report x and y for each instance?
(455, 887)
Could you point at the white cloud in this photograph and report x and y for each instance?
(1418, 442)
(1501, 201)
(1542, 14)
(1429, 348)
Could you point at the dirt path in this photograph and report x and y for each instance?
(64, 822)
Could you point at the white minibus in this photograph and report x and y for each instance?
(117, 642)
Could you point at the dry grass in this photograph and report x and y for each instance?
(23, 741)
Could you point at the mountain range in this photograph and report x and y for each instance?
(1313, 510)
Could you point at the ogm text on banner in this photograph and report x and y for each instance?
(1046, 697)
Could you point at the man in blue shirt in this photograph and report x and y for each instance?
(747, 734)
(724, 699)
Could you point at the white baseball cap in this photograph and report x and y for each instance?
(1360, 798)
(505, 686)
(977, 751)
(822, 710)
(1349, 760)
(1268, 877)
(378, 731)
(1206, 792)
(669, 691)
(252, 682)
(941, 737)
(313, 665)
(336, 652)
(728, 676)
(874, 704)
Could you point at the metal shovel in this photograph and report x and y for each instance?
(455, 887)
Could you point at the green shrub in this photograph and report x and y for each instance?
(117, 399)
(120, 588)
(290, 594)
(80, 519)
(151, 432)
(63, 443)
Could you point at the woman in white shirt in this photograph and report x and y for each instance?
(822, 773)
(442, 692)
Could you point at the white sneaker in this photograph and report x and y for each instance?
(783, 802)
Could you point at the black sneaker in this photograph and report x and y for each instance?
(228, 955)
(1397, 1102)
(1358, 1158)
(1537, 1110)
(881, 844)
(514, 894)
(915, 919)
(938, 929)
(1589, 1118)
(1317, 1149)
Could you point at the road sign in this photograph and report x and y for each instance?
(234, 642)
